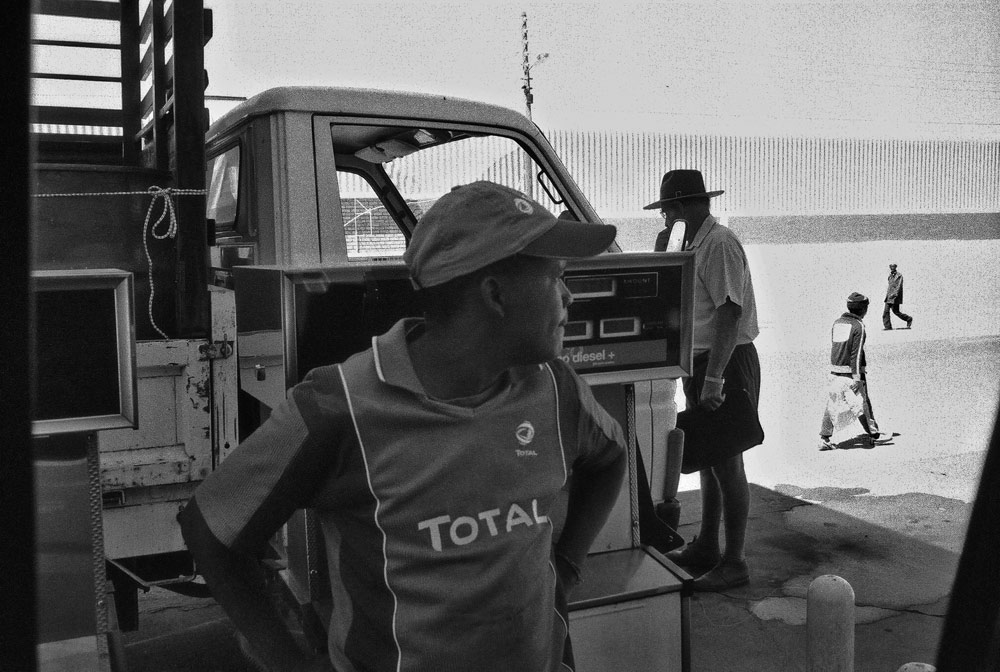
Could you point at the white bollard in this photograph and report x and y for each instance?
(830, 625)
(917, 667)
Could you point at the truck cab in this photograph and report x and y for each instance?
(304, 176)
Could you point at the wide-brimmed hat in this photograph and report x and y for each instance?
(476, 224)
(678, 184)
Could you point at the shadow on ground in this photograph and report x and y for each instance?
(863, 442)
(899, 553)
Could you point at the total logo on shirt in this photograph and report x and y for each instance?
(463, 530)
(525, 434)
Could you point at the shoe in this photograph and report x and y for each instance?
(826, 444)
(886, 328)
(909, 322)
(693, 557)
(726, 575)
(879, 437)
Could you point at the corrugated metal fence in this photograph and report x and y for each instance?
(620, 172)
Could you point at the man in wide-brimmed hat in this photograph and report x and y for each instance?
(725, 325)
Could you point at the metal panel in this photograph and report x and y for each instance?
(173, 443)
(641, 634)
(629, 614)
(621, 527)
(71, 604)
(297, 236)
(225, 374)
(147, 529)
(333, 244)
(262, 366)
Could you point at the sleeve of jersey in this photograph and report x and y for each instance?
(857, 347)
(592, 438)
(278, 468)
(724, 271)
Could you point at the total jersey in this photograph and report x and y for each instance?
(438, 518)
(847, 346)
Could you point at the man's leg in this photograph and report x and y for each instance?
(901, 315)
(732, 570)
(735, 506)
(826, 429)
(712, 498)
(867, 418)
(702, 553)
(886, 320)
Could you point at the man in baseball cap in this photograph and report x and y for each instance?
(848, 385)
(438, 461)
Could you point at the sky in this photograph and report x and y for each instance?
(898, 68)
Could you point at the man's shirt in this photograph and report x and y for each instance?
(722, 272)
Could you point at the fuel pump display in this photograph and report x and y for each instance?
(631, 317)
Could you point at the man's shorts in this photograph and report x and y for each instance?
(742, 372)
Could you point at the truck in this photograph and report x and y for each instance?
(240, 254)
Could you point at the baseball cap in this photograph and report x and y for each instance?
(857, 297)
(477, 224)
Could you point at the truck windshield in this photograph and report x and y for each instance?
(421, 175)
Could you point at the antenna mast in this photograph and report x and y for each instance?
(529, 98)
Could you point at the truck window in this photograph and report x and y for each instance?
(422, 164)
(424, 176)
(223, 178)
(370, 230)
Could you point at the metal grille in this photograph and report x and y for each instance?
(620, 172)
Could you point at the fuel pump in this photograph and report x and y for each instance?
(629, 323)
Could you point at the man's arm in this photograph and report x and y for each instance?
(727, 320)
(592, 496)
(857, 345)
(236, 580)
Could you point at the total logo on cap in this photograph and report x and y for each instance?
(523, 206)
